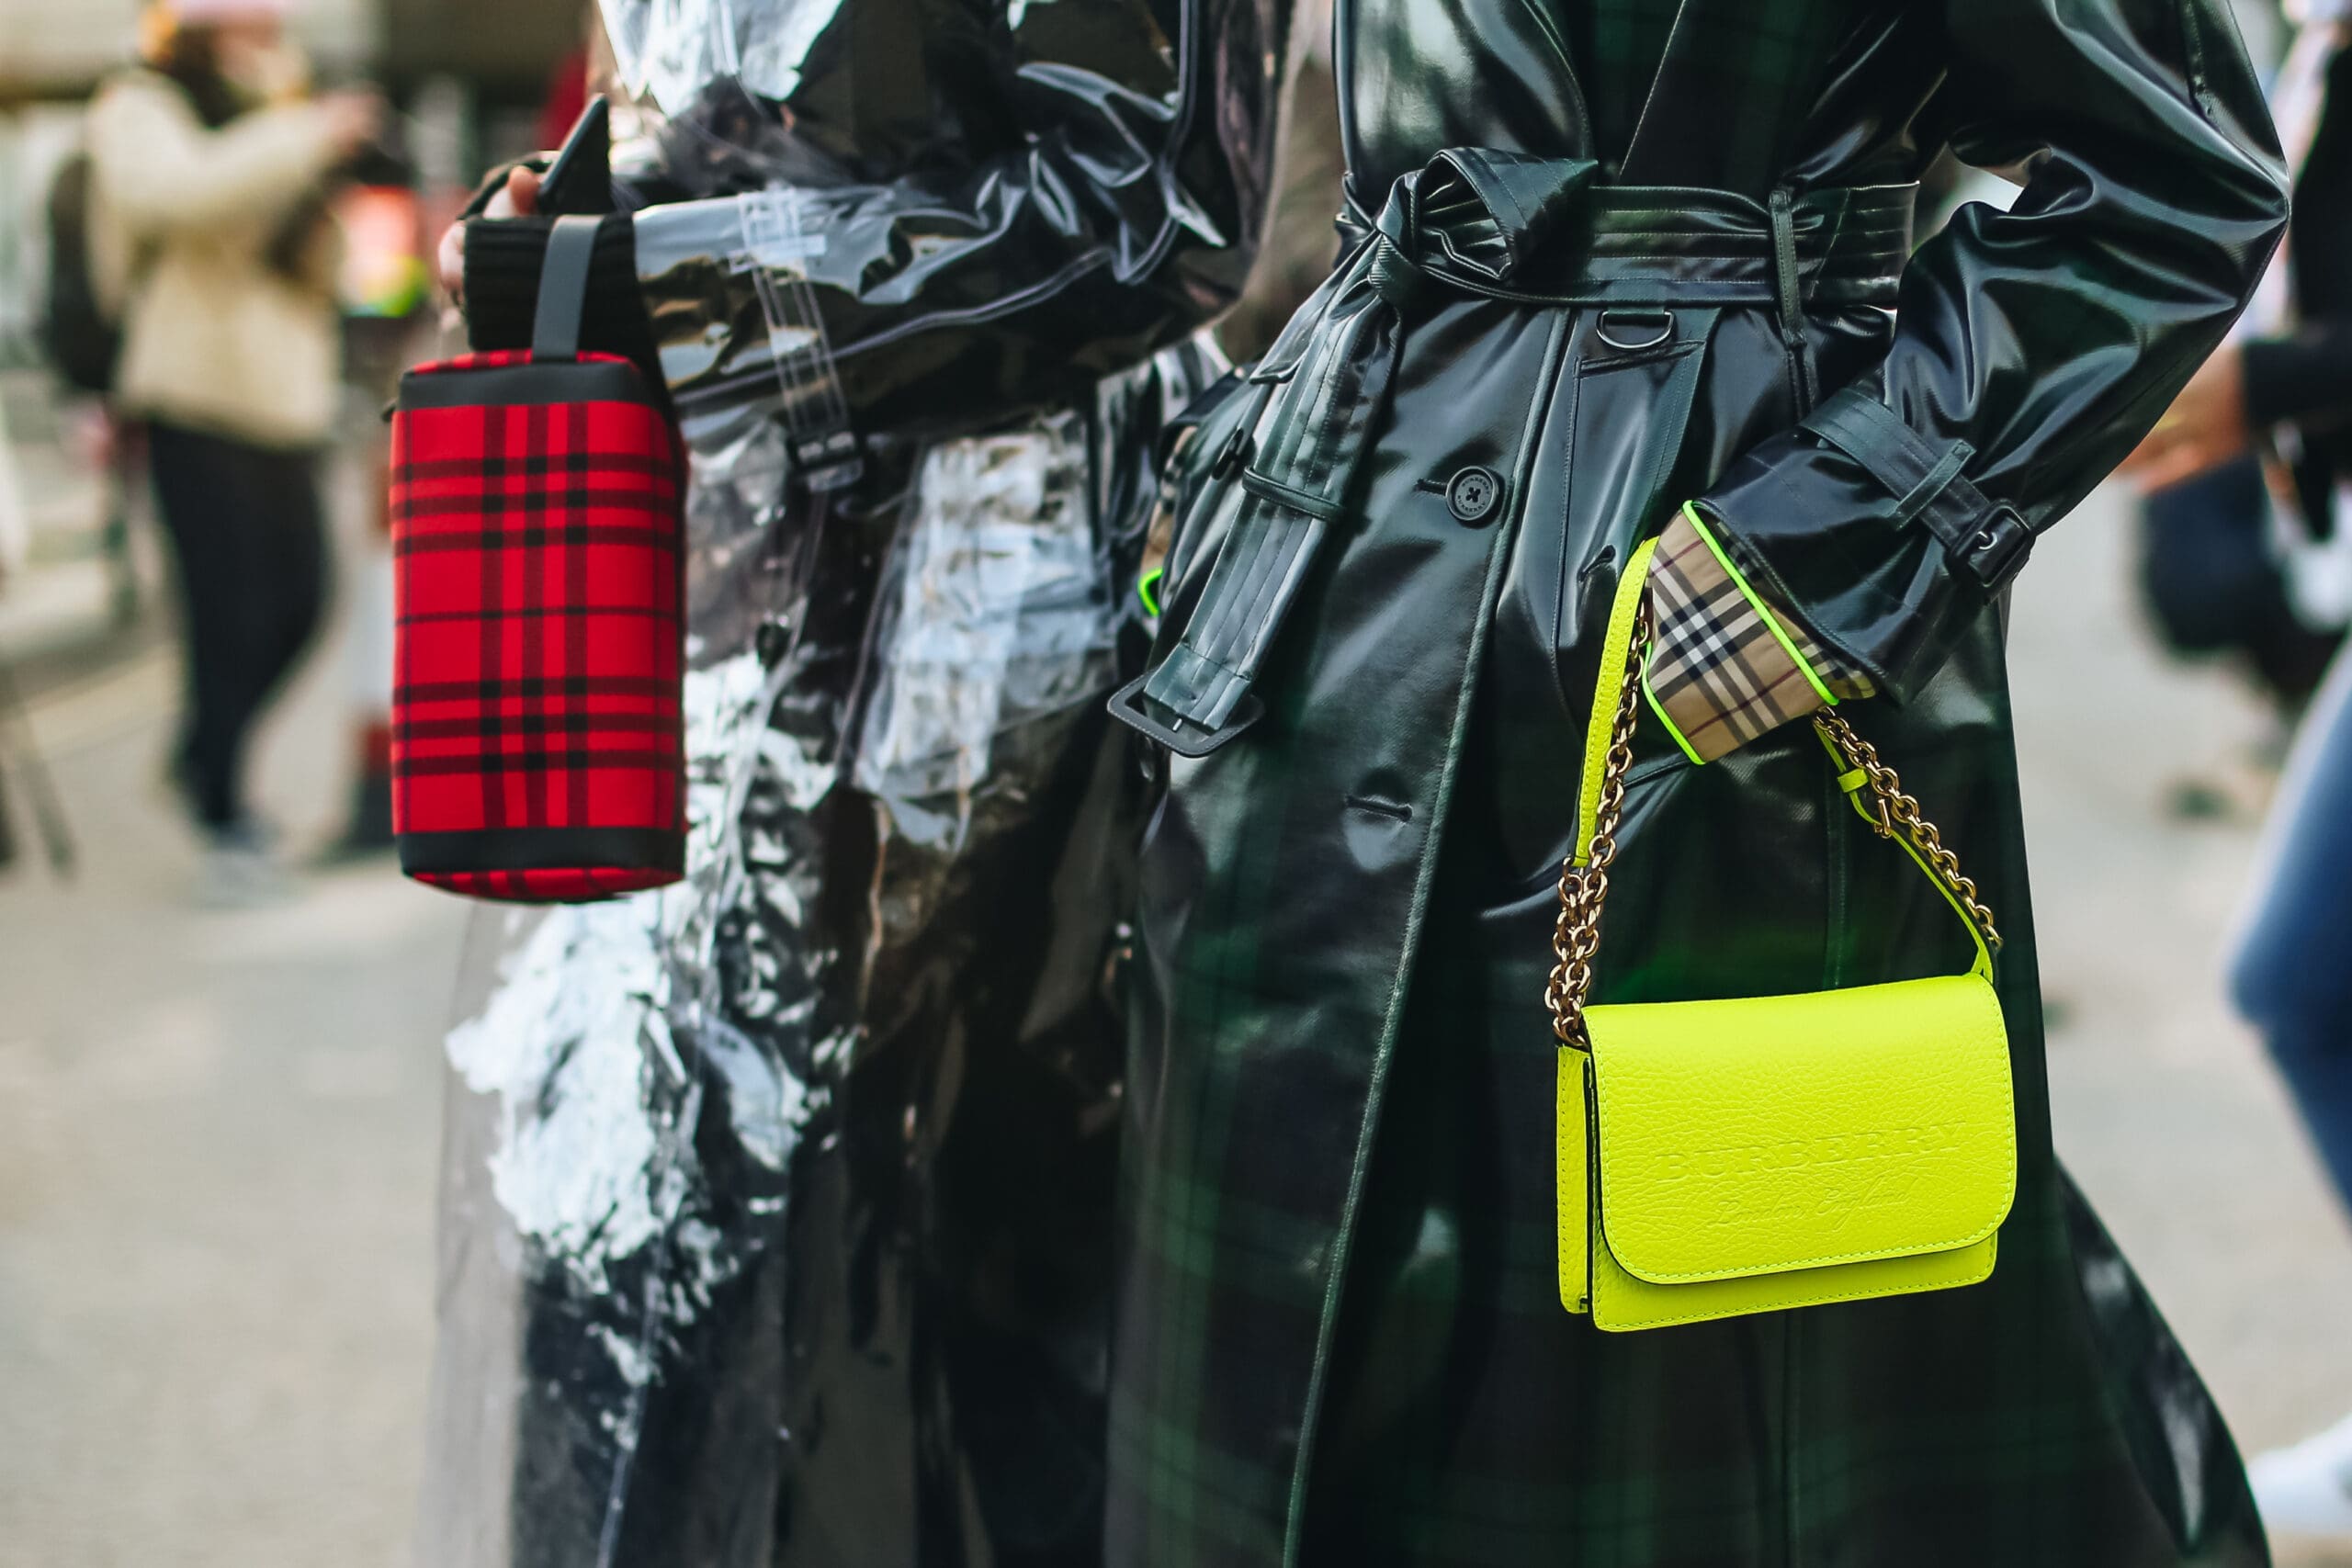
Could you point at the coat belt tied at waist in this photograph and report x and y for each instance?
(1540, 231)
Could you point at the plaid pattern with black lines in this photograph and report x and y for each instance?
(538, 703)
(1714, 665)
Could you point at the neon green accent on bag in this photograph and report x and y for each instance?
(1624, 611)
(1718, 1158)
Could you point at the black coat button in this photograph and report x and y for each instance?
(1472, 494)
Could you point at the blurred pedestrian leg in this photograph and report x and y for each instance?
(2292, 972)
(250, 541)
(2292, 979)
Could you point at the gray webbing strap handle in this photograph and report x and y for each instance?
(563, 289)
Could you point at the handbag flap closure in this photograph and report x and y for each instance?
(1755, 1135)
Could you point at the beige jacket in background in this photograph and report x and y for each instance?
(214, 337)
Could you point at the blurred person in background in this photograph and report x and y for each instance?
(2257, 451)
(2244, 548)
(2291, 978)
(212, 166)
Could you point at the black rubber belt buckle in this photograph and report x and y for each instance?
(1997, 550)
(1132, 708)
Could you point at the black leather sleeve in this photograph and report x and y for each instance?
(2033, 347)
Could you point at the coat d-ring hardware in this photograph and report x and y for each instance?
(1658, 324)
(1473, 493)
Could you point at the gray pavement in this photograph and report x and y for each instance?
(218, 1132)
(218, 1143)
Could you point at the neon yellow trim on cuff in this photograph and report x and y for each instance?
(1665, 718)
(1144, 586)
(1771, 621)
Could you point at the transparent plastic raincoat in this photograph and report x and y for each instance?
(776, 1209)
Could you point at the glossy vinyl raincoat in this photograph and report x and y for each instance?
(778, 1205)
(1608, 257)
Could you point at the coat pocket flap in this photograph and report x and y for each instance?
(1762, 1134)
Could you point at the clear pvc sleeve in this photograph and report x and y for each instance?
(775, 1208)
(776, 1204)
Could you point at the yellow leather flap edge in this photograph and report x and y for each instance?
(1621, 1304)
(1773, 1132)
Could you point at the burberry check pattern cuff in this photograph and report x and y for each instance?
(1724, 667)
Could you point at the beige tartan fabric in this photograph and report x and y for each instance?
(1716, 671)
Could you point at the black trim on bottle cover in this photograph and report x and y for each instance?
(528, 385)
(543, 848)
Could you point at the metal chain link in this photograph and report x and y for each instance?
(1575, 934)
(1896, 809)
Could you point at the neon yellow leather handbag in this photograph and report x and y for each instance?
(1724, 1157)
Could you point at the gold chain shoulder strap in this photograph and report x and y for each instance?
(1576, 936)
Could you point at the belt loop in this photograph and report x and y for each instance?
(1788, 283)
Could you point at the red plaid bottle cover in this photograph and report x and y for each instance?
(539, 736)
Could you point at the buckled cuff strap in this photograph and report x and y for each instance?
(1985, 541)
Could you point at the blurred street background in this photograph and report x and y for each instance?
(219, 1128)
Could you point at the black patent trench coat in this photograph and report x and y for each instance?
(1612, 255)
